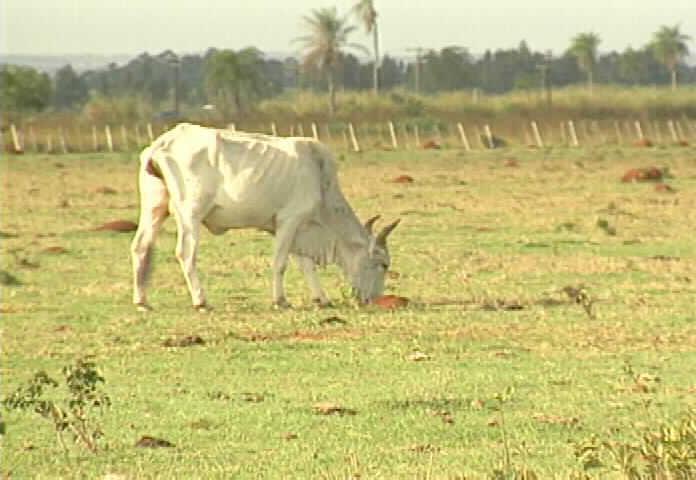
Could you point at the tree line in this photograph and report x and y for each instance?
(234, 80)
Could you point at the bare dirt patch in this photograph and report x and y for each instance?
(121, 226)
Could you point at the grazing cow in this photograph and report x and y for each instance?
(285, 186)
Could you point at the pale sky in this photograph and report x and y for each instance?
(132, 26)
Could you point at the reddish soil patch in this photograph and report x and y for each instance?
(664, 188)
(644, 142)
(105, 190)
(187, 341)
(146, 441)
(432, 144)
(118, 226)
(391, 301)
(403, 179)
(642, 175)
(511, 162)
(55, 249)
(683, 143)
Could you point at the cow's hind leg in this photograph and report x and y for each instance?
(308, 267)
(153, 211)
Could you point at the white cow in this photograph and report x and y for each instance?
(285, 186)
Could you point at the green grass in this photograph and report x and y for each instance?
(474, 232)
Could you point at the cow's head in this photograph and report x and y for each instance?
(373, 263)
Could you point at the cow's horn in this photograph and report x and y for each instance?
(382, 237)
(370, 222)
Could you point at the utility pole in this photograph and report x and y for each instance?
(419, 55)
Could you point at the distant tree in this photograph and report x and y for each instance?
(326, 42)
(70, 90)
(584, 49)
(669, 46)
(235, 76)
(366, 13)
(23, 89)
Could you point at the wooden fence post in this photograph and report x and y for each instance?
(138, 137)
(680, 132)
(672, 131)
(392, 133)
(95, 140)
(124, 137)
(109, 139)
(49, 143)
(315, 133)
(489, 136)
(639, 130)
(16, 145)
(353, 138)
(300, 130)
(416, 135)
(617, 130)
(404, 133)
(573, 135)
(63, 144)
(32, 139)
(150, 135)
(537, 135)
(327, 133)
(462, 137)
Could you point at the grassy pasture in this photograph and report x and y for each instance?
(484, 251)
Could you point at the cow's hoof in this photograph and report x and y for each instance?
(143, 307)
(203, 308)
(281, 304)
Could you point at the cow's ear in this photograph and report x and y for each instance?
(370, 223)
(382, 237)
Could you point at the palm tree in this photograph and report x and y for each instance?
(234, 76)
(584, 48)
(323, 47)
(366, 13)
(669, 46)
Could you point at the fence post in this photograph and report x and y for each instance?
(109, 140)
(124, 137)
(680, 132)
(617, 130)
(327, 133)
(274, 131)
(416, 135)
(32, 139)
(462, 137)
(49, 143)
(63, 145)
(150, 136)
(489, 136)
(16, 145)
(639, 130)
(353, 138)
(392, 133)
(573, 135)
(537, 135)
(138, 138)
(315, 133)
(672, 131)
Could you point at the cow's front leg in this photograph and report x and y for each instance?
(285, 235)
(186, 252)
(318, 295)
